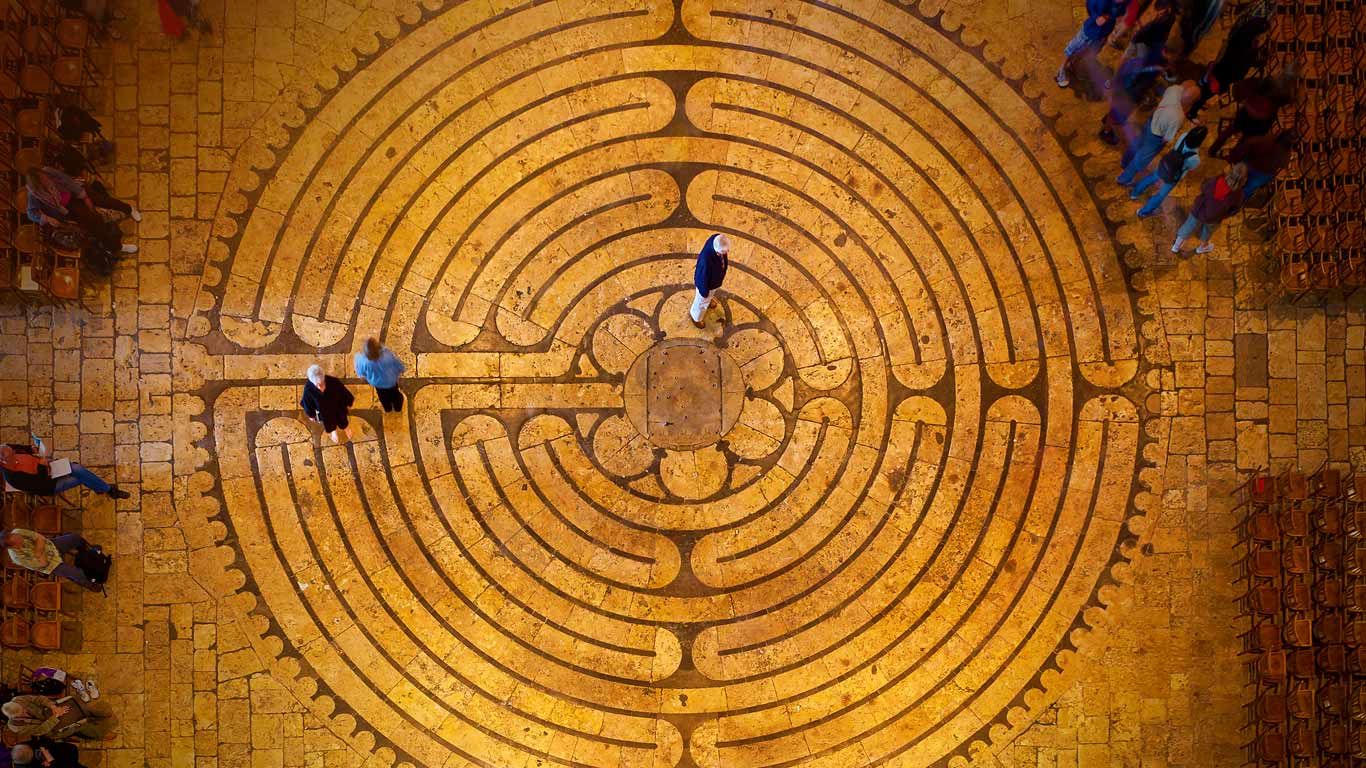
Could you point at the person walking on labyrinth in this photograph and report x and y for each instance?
(1100, 22)
(710, 272)
(1162, 128)
(1181, 160)
(1220, 198)
(380, 368)
(327, 401)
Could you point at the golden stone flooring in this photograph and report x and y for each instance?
(969, 503)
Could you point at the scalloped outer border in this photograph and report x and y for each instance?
(277, 130)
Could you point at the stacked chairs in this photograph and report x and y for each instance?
(45, 54)
(30, 603)
(1318, 246)
(1303, 567)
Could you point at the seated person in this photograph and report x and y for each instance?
(31, 716)
(46, 753)
(54, 198)
(28, 472)
(36, 552)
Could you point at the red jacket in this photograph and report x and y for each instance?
(1209, 209)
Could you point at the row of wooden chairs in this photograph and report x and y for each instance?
(1304, 569)
(1318, 239)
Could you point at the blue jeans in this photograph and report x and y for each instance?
(1155, 202)
(81, 476)
(1255, 181)
(1149, 144)
(1189, 226)
(1079, 43)
(66, 543)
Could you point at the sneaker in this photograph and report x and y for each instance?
(136, 214)
(1176, 246)
(94, 691)
(1206, 248)
(1142, 213)
(115, 493)
(79, 688)
(129, 248)
(1062, 80)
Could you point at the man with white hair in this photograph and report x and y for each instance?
(708, 275)
(327, 401)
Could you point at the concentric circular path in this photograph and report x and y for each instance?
(880, 531)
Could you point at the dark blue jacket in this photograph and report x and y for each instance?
(1110, 9)
(711, 268)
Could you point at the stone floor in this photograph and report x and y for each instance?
(949, 482)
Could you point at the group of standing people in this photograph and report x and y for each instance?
(1174, 133)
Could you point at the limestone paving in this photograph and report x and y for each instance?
(946, 480)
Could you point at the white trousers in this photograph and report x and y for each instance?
(700, 304)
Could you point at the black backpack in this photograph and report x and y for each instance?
(94, 563)
(1173, 164)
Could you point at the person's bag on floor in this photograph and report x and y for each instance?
(94, 563)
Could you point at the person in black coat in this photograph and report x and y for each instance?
(327, 401)
(1242, 52)
(710, 272)
(46, 753)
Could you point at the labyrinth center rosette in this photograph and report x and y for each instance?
(920, 464)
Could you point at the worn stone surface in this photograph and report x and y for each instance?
(973, 504)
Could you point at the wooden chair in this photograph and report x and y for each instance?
(64, 280)
(1300, 703)
(14, 632)
(14, 594)
(73, 33)
(1328, 593)
(1300, 663)
(1298, 633)
(33, 123)
(46, 597)
(47, 519)
(28, 159)
(1262, 638)
(1261, 528)
(1328, 630)
(1333, 739)
(1295, 559)
(1296, 596)
(47, 635)
(1295, 523)
(1328, 555)
(1270, 668)
(1332, 659)
(1268, 747)
(1333, 699)
(34, 81)
(29, 240)
(1261, 600)
(1355, 601)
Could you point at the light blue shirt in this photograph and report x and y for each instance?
(382, 373)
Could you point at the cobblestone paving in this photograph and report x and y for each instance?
(961, 496)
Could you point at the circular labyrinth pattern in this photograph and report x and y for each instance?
(867, 558)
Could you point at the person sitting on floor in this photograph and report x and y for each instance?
(36, 552)
(29, 716)
(31, 473)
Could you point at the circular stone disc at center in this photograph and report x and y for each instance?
(684, 393)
